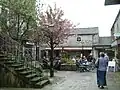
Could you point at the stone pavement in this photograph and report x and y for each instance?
(82, 81)
(71, 80)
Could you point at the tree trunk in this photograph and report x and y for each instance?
(51, 57)
(37, 51)
(18, 40)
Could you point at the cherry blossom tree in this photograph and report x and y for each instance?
(54, 29)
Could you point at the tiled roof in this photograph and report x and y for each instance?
(105, 40)
(91, 30)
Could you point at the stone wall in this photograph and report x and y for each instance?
(67, 67)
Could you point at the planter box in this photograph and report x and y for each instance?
(67, 67)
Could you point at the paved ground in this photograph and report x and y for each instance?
(82, 81)
(70, 80)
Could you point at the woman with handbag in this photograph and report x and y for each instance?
(101, 65)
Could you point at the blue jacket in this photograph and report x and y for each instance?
(102, 64)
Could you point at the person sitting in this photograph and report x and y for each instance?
(84, 63)
(84, 60)
(89, 58)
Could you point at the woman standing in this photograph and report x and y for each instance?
(101, 64)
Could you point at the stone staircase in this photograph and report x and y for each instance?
(31, 76)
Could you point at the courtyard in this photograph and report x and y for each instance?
(72, 80)
(38, 36)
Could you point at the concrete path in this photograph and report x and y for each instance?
(71, 80)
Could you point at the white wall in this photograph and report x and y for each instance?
(116, 28)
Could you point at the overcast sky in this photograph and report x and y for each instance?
(89, 13)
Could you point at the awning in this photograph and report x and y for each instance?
(117, 34)
(72, 48)
(54, 48)
(114, 43)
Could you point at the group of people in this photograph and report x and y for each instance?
(101, 65)
(85, 59)
(86, 63)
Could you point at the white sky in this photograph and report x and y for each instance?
(89, 13)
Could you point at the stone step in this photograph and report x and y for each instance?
(36, 79)
(2, 55)
(9, 62)
(27, 72)
(21, 69)
(40, 84)
(3, 59)
(30, 76)
(16, 65)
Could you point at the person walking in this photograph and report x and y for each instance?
(101, 65)
(106, 56)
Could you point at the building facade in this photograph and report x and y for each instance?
(115, 34)
(83, 42)
(104, 45)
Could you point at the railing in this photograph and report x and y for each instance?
(14, 50)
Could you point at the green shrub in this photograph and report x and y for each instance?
(65, 55)
(67, 61)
